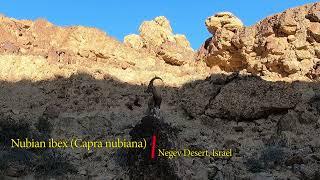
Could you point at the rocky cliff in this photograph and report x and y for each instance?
(252, 89)
(282, 46)
(46, 51)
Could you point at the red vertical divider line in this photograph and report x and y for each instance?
(153, 146)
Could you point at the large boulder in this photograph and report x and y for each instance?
(175, 54)
(223, 20)
(182, 41)
(157, 36)
(134, 41)
(251, 98)
(157, 31)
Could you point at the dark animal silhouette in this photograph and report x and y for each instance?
(155, 102)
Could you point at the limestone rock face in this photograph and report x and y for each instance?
(247, 99)
(134, 41)
(157, 31)
(44, 39)
(157, 36)
(182, 41)
(281, 46)
(223, 20)
(174, 54)
(38, 44)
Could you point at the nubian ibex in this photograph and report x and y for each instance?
(154, 102)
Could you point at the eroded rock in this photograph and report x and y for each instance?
(157, 36)
(224, 20)
(282, 45)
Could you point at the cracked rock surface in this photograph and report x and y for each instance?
(284, 45)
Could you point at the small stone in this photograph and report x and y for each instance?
(316, 156)
(256, 129)
(291, 38)
(238, 128)
(83, 172)
(295, 168)
(296, 159)
(15, 111)
(232, 144)
(212, 172)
